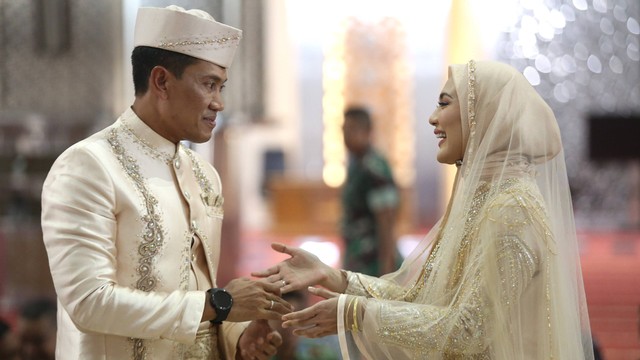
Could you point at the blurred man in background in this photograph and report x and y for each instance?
(369, 200)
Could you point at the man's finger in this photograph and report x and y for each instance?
(284, 304)
(275, 338)
(273, 288)
(267, 350)
(279, 310)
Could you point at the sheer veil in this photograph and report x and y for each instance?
(498, 276)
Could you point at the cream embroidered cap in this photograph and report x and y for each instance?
(191, 32)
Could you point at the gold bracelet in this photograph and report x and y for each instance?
(349, 308)
(354, 325)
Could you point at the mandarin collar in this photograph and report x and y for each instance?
(147, 135)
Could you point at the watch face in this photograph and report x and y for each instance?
(222, 299)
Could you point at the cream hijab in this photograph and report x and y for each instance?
(498, 277)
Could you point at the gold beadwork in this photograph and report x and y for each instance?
(153, 234)
(212, 200)
(219, 41)
(146, 147)
(471, 111)
(461, 327)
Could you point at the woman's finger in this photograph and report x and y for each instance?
(301, 314)
(322, 292)
(265, 273)
(312, 332)
(281, 248)
(301, 320)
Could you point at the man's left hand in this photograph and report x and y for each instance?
(258, 341)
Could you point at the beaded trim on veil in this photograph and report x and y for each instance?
(471, 108)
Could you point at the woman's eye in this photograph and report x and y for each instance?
(442, 104)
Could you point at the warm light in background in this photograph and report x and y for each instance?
(327, 251)
(365, 64)
(333, 74)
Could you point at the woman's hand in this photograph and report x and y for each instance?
(318, 320)
(300, 271)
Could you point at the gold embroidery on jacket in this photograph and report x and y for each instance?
(212, 200)
(153, 233)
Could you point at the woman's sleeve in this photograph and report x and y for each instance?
(79, 232)
(502, 264)
(371, 286)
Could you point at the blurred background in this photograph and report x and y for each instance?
(65, 73)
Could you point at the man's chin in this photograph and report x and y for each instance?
(202, 138)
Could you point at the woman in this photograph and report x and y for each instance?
(498, 277)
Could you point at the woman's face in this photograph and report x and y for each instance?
(448, 125)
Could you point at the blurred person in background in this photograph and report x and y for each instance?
(369, 201)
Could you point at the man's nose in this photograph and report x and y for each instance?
(216, 104)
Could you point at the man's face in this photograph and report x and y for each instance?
(193, 102)
(37, 339)
(356, 136)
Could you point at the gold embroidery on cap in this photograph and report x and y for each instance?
(223, 40)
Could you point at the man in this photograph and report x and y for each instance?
(131, 218)
(369, 200)
(37, 330)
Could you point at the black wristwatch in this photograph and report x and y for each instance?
(221, 301)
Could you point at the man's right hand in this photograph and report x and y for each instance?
(256, 299)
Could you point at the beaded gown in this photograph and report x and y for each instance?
(498, 277)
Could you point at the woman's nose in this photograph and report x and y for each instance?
(433, 119)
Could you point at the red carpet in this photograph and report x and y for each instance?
(611, 270)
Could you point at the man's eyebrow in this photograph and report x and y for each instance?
(215, 78)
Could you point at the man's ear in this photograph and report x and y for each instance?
(158, 81)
